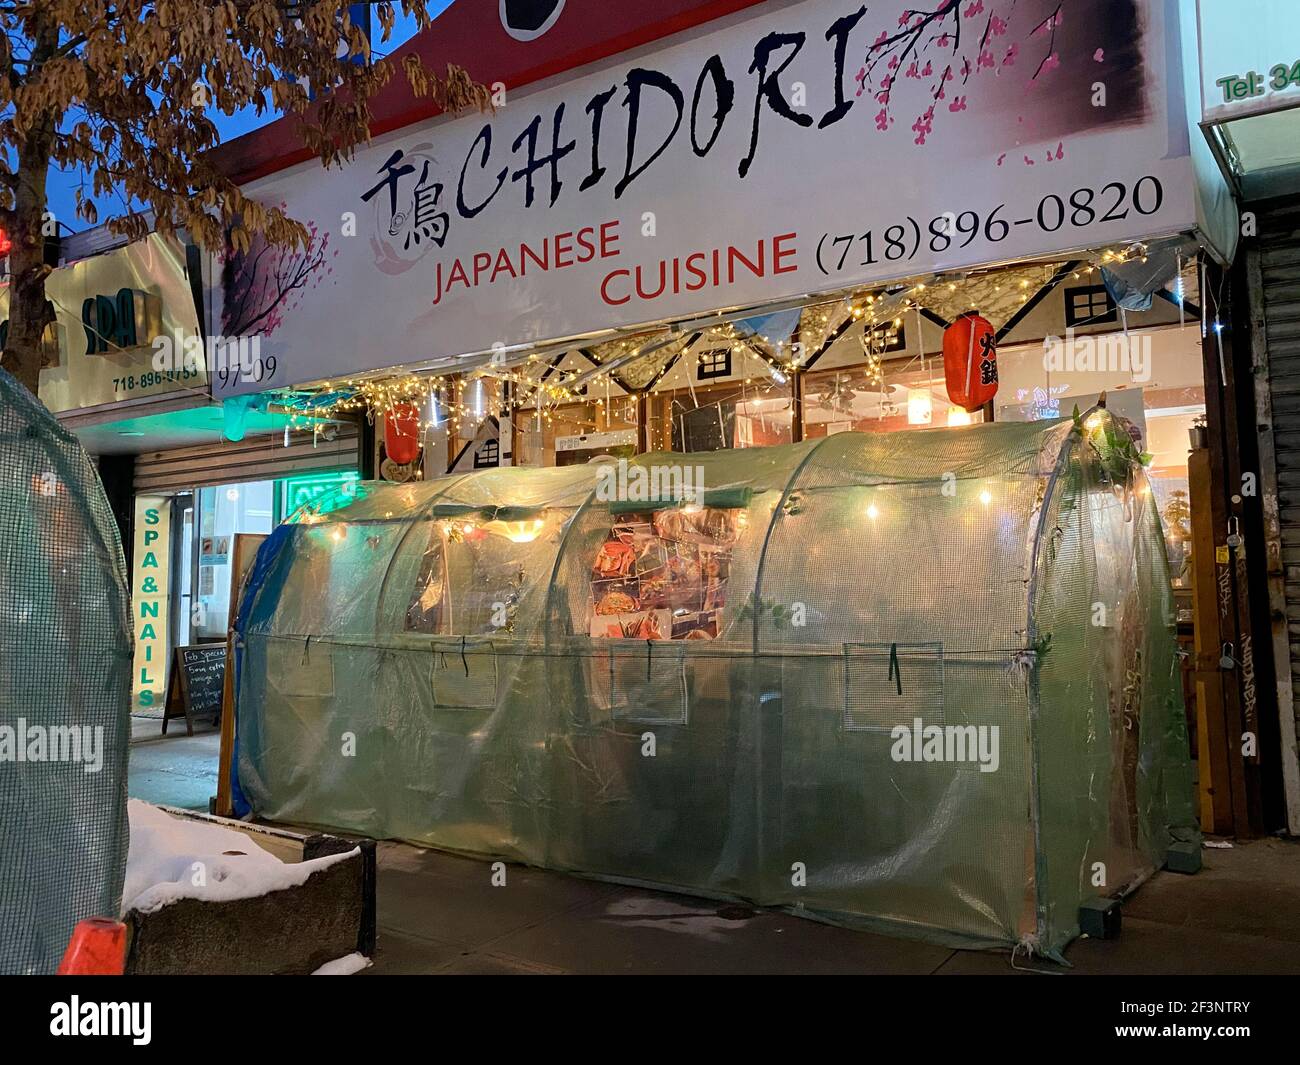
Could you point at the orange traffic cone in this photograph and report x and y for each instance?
(97, 948)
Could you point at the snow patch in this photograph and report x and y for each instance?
(344, 966)
(174, 858)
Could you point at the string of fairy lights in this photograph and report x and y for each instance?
(534, 388)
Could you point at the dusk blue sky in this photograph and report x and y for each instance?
(63, 184)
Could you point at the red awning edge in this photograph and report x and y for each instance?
(470, 35)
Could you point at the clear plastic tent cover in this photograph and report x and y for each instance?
(735, 695)
(65, 676)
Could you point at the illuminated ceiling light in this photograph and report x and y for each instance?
(517, 532)
(957, 416)
(986, 497)
(873, 511)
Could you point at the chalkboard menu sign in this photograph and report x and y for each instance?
(198, 673)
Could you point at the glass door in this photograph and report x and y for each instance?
(223, 513)
(182, 563)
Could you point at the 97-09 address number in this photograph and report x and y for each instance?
(256, 370)
(1083, 207)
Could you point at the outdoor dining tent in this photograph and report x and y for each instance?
(65, 689)
(728, 691)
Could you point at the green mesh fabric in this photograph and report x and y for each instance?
(419, 663)
(65, 674)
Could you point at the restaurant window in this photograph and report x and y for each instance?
(1157, 406)
(479, 399)
(908, 395)
(754, 413)
(1089, 305)
(575, 431)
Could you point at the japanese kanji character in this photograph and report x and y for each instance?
(393, 173)
(428, 222)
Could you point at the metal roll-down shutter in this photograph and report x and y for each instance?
(261, 458)
(1274, 282)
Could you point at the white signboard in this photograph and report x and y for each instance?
(109, 309)
(1250, 57)
(801, 148)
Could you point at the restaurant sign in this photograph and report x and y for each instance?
(797, 148)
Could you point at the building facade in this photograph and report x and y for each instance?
(723, 224)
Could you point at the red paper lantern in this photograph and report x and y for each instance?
(402, 433)
(970, 361)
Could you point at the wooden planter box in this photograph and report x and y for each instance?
(291, 931)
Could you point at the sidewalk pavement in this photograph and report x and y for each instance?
(439, 913)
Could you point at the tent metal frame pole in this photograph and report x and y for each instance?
(1069, 448)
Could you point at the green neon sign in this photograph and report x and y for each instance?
(295, 491)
